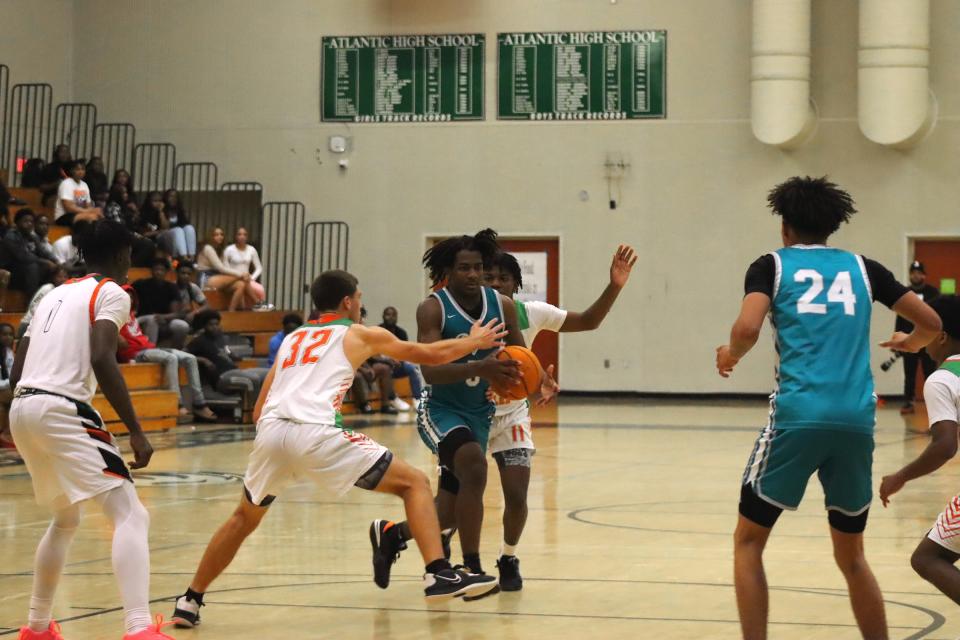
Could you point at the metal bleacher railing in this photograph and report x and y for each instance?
(26, 125)
(153, 166)
(326, 245)
(4, 89)
(74, 124)
(113, 142)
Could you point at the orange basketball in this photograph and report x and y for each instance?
(530, 372)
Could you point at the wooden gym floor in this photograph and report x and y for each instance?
(632, 506)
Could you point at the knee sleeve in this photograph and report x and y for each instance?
(448, 447)
(756, 509)
(449, 482)
(848, 524)
(123, 508)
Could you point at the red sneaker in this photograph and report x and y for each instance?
(152, 632)
(52, 633)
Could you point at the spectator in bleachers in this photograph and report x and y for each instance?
(153, 215)
(121, 208)
(160, 308)
(56, 170)
(217, 363)
(214, 272)
(135, 346)
(29, 269)
(192, 300)
(291, 322)
(58, 278)
(122, 177)
(402, 369)
(73, 197)
(184, 234)
(244, 258)
(67, 255)
(97, 179)
(6, 392)
(373, 371)
(32, 176)
(41, 228)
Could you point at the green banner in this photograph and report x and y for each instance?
(582, 75)
(402, 78)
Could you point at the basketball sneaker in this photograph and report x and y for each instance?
(52, 633)
(152, 632)
(387, 545)
(186, 613)
(456, 582)
(510, 578)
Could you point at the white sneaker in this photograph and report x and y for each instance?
(399, 404)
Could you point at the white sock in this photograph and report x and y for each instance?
(48, 566)
(131, 553)
(508, 549)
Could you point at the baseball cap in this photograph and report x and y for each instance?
(917, 266)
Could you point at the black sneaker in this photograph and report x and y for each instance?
(388, 410)
(387, 545)
(445, 538)
(366, 409)
(456, 582)
(186, 613)
(510, 578)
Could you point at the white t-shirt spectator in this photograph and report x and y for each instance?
(64, 250)
(238, 259)
(76, 192)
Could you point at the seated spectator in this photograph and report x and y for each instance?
(244, 258)
(29, 269)
(402, 369)
(73, 197)
(57, 170)
(121, 208)
(214, 272)
(136, 347)
(6, 392)
(370, 372)
(122, 178)
(184, 234)
(153, 215)
(192, 300)
(97, 179)
(160, 308)
(67, 255)
(41, 228)
(291, 322)
(32, 176)
(217, 365)
(58, 278)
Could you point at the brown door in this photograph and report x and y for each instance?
(546, 346)
(941, 260)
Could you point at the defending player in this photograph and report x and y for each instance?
(300, 434)
(822, 413)
(71, 457)
(936, 555)
(455, 416)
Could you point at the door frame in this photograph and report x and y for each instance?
(910, 247)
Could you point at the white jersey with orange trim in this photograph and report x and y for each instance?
(58, 358)
(533, 318)
(312, 374)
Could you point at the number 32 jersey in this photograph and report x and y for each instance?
(312, 374)
(820, 312)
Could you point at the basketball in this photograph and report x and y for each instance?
(530, 372)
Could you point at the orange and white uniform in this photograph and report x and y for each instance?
(300, 434)
(70, 455)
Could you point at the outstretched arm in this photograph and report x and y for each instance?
(926, 324)
(942, 447)
(745, 332)
(590, 319)
(379, 341)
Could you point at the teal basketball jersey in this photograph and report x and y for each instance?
(821, 318)
(469, 395)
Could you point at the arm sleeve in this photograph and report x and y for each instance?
(940, 393)
(886, 289)
(544, 316)
(760, 276)
(112, 304)
(257, 267)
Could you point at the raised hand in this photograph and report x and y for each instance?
(623, 261)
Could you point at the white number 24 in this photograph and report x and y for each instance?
(841, 291)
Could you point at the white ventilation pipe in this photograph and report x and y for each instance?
(781, 112)
(896, 106)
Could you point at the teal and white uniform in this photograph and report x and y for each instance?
(511, 425)
(459, 405)
(941, 393)
(822, 412)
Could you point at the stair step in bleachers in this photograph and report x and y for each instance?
(154, 407)
(32, 197)
(252, 321)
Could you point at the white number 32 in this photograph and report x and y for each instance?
(841, 291)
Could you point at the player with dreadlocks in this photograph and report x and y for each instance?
(456, 415)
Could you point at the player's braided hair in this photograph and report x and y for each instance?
(813, 207)
(441, 257)
(507, 262)
(100, 241)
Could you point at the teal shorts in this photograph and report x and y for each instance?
(435, 422)
(784, 459)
